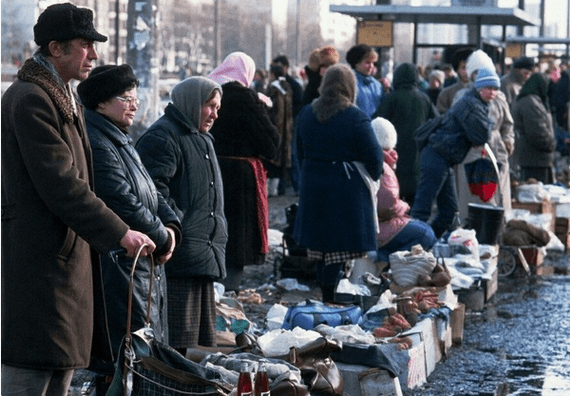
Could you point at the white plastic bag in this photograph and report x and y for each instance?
(278, 342)
(462, 241)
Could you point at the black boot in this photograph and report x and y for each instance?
(327, 293)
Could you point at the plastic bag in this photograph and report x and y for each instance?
(408, 266)
(462, 241)
(278, 342)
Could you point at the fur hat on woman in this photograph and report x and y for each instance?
(323, 57)
(62, 22)
(338, 92)
(104, 83)
(385, 133)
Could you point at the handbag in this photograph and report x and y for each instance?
(318, 370)
(147, 366)
(314, 313)
(483, 175)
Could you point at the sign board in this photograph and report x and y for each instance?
(375, 33)
(514, 50)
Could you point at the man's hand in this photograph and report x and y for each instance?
(133, 240)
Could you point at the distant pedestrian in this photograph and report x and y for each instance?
(362, 58)
(244, 137)
(319, 61)
(533, 122)
(407, 107)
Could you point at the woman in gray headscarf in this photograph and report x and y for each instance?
(178, 153)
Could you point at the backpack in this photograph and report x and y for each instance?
(424, 131)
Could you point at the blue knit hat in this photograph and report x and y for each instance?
(487, 78)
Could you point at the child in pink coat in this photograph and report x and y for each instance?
(397, 230)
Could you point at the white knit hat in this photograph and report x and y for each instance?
(478, 60)
(385, 133)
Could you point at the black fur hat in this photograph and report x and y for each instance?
(62, 22)
(105, 82)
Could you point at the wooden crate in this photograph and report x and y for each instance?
(562, 230)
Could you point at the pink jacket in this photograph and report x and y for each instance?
(391, 209)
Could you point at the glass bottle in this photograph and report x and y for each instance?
(244, 387)
(261, 380)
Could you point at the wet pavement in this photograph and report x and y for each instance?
(518, 345)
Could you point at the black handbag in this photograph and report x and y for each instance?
(147, 366)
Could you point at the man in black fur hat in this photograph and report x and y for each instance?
(512, 82)
(52, 317)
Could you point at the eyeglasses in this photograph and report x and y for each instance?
(129, 100)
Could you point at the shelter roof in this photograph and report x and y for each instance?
(463, 15)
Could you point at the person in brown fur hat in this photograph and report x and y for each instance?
(319, 61)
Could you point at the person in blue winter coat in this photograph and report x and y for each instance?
(467, 124)
(362, 58)
(335, 218)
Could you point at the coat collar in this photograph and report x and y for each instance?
(117, 135)
(34, 73)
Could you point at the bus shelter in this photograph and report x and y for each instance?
(476, 16)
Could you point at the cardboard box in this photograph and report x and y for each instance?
(415, 374)
(368, 381)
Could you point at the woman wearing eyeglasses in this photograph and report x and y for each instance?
(109, 95)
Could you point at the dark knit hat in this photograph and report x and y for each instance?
(357, 53)
(524, 63)
(105, 82)
(62, 22)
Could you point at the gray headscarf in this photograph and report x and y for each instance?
(338, 92)
(189, 95)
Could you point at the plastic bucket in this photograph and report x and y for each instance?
(487, 221)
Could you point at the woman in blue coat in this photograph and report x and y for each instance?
(121, 180)
(335, 219)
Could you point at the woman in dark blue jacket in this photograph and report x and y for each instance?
(179, 154)
(335, 218)
(109, 95)
(466, 124)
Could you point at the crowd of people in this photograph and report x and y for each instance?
(81, 199)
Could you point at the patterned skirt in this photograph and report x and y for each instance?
(191, 312)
